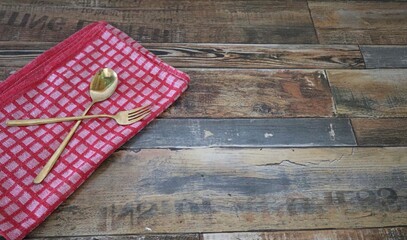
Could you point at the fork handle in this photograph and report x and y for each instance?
(38, 121)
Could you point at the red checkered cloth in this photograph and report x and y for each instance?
(57, 84)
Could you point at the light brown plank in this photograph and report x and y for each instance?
(380, 132)
(230, 93)
(360, 22)
(229, 21)
(220, 93)
(213, 190)
(370, 93)
(224, 93)
(394, 233)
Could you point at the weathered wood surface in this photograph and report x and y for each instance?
(5, 72)
(369, 93)
(259, 56)
(395, 233)
(380, 132)
(231, 50)
(226, 21)
(384, 56)
(219, 55)
(214, 190)
(360, 22)
(391, 233)
(223, 93)
(230, 93)
(292, 132)
(129, 237)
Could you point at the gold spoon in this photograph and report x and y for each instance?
(103, 85)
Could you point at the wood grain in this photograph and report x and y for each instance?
(228, 21)
(210, 190)
(259, 56)
(360, 22)
(380, 132)
(394, 233)
(129, 237)
(291, 132)
(220, 55)
(230, 93)
(384, 56)
(369, 93)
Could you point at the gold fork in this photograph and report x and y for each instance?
(122, 118)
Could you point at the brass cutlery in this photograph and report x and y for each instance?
(103, 85)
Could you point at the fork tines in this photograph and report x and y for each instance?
(140, 112)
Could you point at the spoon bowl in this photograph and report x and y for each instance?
(103, 85)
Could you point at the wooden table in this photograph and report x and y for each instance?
(294, 125)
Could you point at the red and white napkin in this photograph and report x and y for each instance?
(56, 84)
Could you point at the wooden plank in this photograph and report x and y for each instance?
(369, 93)
(291, 132)
(394, 233)
(240, 93)
(17, 58)
(230, 93)
(385, 56)
(129, 237)
(30, 45)
(360, 22)
(221, 189)
(259, 56)
(220, 55)
(380, 132)
(228, 21)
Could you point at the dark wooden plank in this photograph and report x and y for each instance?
(360, 22)
(213, 190)
(292, 132)
(228, 21)
(369, 93)
(230, 93)
(221, 55)
(385, 56)
(391, 233)
(128, 237)
(380, 132)
(259, 56)
(17, 58)
(30, 45)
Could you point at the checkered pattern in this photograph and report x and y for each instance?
(57, 84)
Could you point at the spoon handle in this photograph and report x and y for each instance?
(48, 166)
(38, 121)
